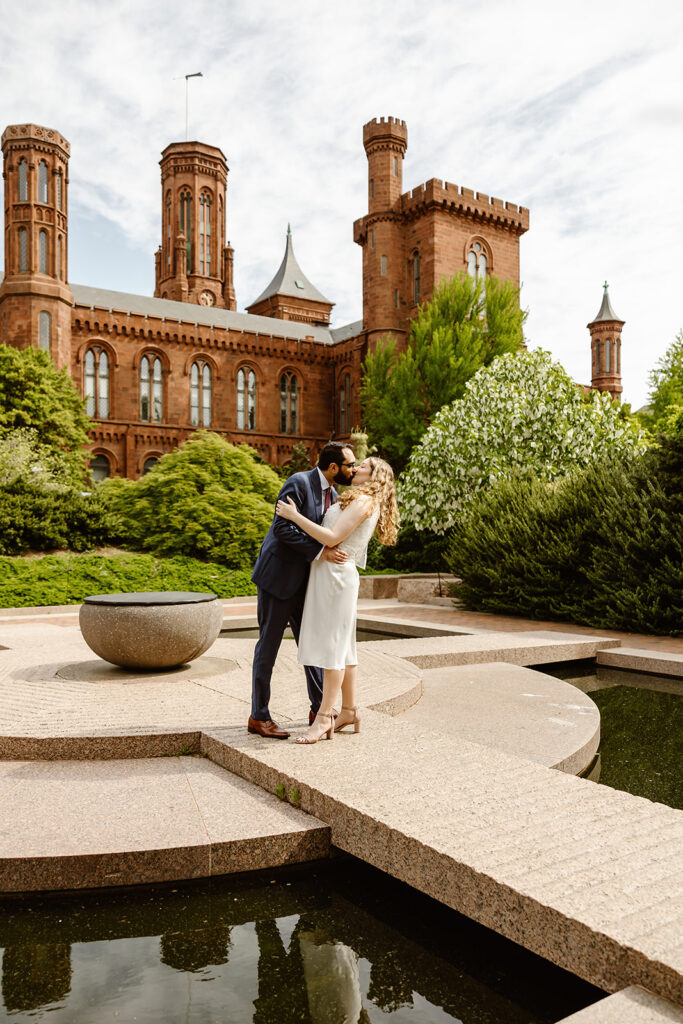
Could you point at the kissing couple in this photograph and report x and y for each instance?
(306, 577)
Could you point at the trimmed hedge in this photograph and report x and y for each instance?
(602, 547)
(413, 552)
(42, 519)
(67, 579)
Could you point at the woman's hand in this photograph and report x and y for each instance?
(287, 510)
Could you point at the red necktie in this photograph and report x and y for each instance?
(326, 499)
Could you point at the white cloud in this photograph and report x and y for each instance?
(573, 111)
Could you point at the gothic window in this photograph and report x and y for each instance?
(97, 383)
(23, 181)
(151, 394)
(345, 405)
(416, 278)
(23, 250)
(149, 464)
(44, 330)
(99, 468)
(289, 404)
(42, 182)
(477, 261)
(59, 256)
(608, 355)
(186, 225)
(200, 394)
(59, 198)
(169, 242)
(42, 252)
(597, 355)
(384, 266)
(204, 234)
(246, 399)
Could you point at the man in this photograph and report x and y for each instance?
(281, 575)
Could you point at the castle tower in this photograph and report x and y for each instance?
(193, 262)
(380, 233)
(35, 298)
(605, 333)
(291, 296)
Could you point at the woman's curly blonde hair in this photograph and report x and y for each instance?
(380, 487)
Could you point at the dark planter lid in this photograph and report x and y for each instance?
(151, 597)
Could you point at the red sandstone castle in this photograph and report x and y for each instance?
(152, 370)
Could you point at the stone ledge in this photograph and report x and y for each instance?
(631, 1006)
(661, 663)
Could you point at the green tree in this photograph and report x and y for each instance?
(666, 383)
(208, 499)
(35, 395)
(521, 414)
(300, 460)
(463, 328)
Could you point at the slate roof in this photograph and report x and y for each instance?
(606, 312)
(291, 280)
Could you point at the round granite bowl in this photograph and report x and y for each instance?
(152, 630)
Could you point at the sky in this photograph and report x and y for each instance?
(572, 110)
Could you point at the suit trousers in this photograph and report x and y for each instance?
(274, 615)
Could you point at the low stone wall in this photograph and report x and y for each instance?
(413, 588)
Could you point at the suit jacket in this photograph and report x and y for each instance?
(283, 562)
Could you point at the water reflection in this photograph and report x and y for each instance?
(290, 949)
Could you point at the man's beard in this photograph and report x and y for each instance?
(341, 479)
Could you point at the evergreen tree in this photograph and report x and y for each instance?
(464, 327)
(666, 382)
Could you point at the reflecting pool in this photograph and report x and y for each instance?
(333, 943)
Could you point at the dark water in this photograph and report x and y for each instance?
(335, 943)
(641, 728)
(361, 634)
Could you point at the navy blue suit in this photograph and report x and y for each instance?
(281, 575)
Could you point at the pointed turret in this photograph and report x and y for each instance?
(290, 295)
(605, 332)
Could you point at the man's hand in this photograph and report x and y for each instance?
(335, 555)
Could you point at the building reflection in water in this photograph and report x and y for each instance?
(194, 950)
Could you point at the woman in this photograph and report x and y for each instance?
(328, 626)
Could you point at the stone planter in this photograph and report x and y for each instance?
(152, 630)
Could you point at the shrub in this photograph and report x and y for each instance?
(209, 499)
(67, 579)
(521, 414)
(603, 546)
(413, 552)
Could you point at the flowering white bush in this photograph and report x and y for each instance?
(521, 413)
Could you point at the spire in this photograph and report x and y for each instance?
(290, 279)
(606, 312)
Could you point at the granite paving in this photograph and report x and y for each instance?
(125, 822)
(587, 876)
(632, 1006)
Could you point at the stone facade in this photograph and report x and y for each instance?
(154, 369)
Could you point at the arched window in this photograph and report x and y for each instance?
(23, 250)
(416, 278)
(597, 355)
(99, 468)
(59, 201)
(149, 464)
(42, 182)
(345, 405)
(608, 355)
(169, 243)
(246, 399)
(60, 275)
(23, 181)
(477, 261)
(289, 404)
(151, 394)
(44, 330)
(200, 394)
(97, 383)
(186, 225)
(42, 252)
(204, 234)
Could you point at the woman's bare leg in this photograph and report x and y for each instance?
(331, 685)
(348, 696)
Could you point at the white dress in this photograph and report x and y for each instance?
(328, 626)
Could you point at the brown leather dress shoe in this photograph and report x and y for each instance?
(269, 730)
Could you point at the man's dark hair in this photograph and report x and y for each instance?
(332, 452)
